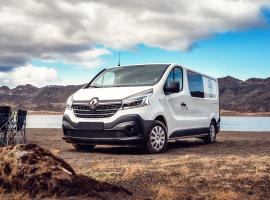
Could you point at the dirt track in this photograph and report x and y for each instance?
(236, 167)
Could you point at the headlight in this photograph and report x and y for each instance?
(137, 100)
(69, 103)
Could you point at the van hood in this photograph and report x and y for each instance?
(111, 93)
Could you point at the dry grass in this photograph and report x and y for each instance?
(15, 195)
(237, 167)
(228, 177)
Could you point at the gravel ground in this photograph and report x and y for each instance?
(236, 167)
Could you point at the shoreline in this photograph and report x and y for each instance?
(222, 113)
(244, 114)
(32, 112)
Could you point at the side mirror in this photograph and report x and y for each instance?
(174, 87)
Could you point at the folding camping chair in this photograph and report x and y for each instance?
(21, 124)
(17, 128)
(4, 124)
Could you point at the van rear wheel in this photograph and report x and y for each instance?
(83, 147)
(157, 139)
(212, 134)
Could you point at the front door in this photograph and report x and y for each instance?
(175, 103)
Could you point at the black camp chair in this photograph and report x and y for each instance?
(21, 124)
(5, 112)
(17, 126)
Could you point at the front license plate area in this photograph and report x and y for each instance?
(92, 126)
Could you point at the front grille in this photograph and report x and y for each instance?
(101, 111)
(95, 134)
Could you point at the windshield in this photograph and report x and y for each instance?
(137, 75)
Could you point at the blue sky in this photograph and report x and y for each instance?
(66, 42)
(243, 55)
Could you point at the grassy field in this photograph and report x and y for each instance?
(236, 167)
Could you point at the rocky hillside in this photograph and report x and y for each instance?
(49, 98)
(252, 95)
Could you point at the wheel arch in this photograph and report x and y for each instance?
(162, 119)
(215, 122)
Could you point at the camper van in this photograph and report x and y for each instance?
(145, 105)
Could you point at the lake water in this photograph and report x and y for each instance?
(227, 123)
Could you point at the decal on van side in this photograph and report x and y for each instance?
(210, 89)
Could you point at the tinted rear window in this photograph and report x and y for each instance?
(195, 83)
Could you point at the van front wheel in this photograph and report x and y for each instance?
(211, 137)
(157, 139)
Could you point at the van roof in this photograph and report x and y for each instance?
(142, 64)
(169, 64)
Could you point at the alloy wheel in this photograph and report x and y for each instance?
(157, 138)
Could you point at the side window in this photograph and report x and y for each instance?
(195, 84)
(210, 88)
(170, 79)
(176, 75)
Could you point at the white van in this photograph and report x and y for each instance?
(145, 105)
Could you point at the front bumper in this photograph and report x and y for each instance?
(127, 129)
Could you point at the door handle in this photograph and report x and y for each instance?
(183, 104)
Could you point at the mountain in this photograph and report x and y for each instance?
(48, 98)
(252, 95)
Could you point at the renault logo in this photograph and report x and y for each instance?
(93, 103)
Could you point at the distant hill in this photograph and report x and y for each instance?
(252, 95)
(49, 98)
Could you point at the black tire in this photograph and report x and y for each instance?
(212, 134)
(158, 143)
(83, 147)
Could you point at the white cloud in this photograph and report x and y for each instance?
(88, 58)
(68, 30)
(37, 76)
